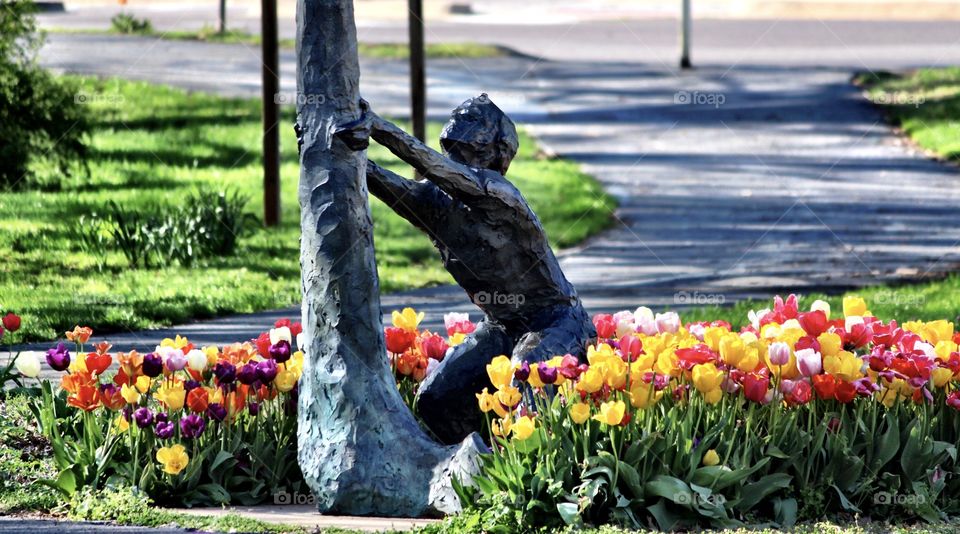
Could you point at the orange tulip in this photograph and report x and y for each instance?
(198, 399)
(85, 398)
(130, 364)
(71, 383)
(80, 334)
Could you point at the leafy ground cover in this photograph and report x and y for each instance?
(153, 147)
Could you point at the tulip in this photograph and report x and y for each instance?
(755, 388)
(192, 426)
(86, 398)
(814, 323)
(433, 346)
(152, 365)
(825, 386)
(547, 375)
(779, 353)
(953, 400)
(399, 340)
(129, 394)
(253, 408)
(500, 371)
(280, 351)
(110, 397)
(611, 412)
(58, 358)
(281, 334)
(711, 458)
(605, 325)
(263, 344)
(287, 379)
(579, 412)
(247, 374)
(143, 417)
(97, 363)
(523, 428)
(667, 322)
(225, 372)
(630, 347)
(509, 396)
(198, 399)
(408, 319)
(164, 429)
(523, 372)
(217, 412)
(706, 377)
(80, 334)
(854, 306)
(11, 322)
(174, 459)
(176, 360)
(809, 362)
(486, 400)
(28, 365)
(266, 371)
(172, 395)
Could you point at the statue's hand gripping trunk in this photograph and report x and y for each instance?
(360, 449)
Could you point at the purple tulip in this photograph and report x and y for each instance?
(164, 430)
(176, 360)
(108, 389)
(217, 412)
(225, 372)
(190, 385)
(143, 417)
(267, 371)
(161, 417)
(548, 375)
(192, 426)
(523, 373)
(281, 351)
(127, 413)
(248, 373)
(152, 365)
(254, 408)
(58, 358)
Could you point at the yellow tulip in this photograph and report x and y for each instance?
(711, 458)
(172, 395)
(713, 396)
(509, 396)
(591, 381)
(212, 354)
(129, 394)
(854, 306)
(78, 365)
(500, 371)
(616, 373)
(844, 365)
(285, 380)
(611, 412)
(408, 319)
(179, 343)
(731, 349)
(820, 305)
(830, 344)
(121, 423)
(579, 412)
(523, 428)
(143, 384)
(940, 376)
(642, 396)
(932, 332)
(534, 378)
(944, 349)
(486, 400)
(173, 458)
(501, 427)
(706, 377)
(712, 336)
(456, 339)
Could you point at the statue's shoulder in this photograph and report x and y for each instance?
(499, 189)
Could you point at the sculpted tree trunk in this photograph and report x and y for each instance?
(360, 449)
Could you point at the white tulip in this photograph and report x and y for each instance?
(28, 364)
(197, 360)
(280, 334)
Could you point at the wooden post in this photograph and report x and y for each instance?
(418, 85)
(223, 17)
(271, 113)
(359, 447)
(685, 36)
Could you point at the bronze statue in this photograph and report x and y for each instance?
(492, 244)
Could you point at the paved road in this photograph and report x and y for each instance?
(772, 178)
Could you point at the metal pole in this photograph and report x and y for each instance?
(271, 113)
(418, 87)
(223, 16)
(685, 36)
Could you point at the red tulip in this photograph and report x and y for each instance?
(433, 346)
(605, 325)
(755, 387)
(814, 323)
(631, 347)
(11, 322)
(846, 391)
(97, 363)
(825, 385)
(399, 340)
(800, 394)
(263, 345)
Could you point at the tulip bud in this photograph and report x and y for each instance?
(28, 365)
(779, 353)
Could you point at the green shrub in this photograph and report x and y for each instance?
(207, 224)
(128, 24)
(42, 124)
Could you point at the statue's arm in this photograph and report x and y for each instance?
(452, 177)
(407, 198)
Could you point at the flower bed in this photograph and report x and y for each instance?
(796, 416)
(187, 425)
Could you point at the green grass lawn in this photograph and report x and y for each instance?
(925, 103)
(154, 145)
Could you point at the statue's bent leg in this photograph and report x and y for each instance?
(568, 332)
(445, 400)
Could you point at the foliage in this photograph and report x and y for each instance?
(207, 224)
(924, 102)
(42, 124)
(129, 24)
(24, 458)
(154, 146)
(794, 417)
(183, 425)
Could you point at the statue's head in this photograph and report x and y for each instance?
(480, 135)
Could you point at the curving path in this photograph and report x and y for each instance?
(740, 179)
